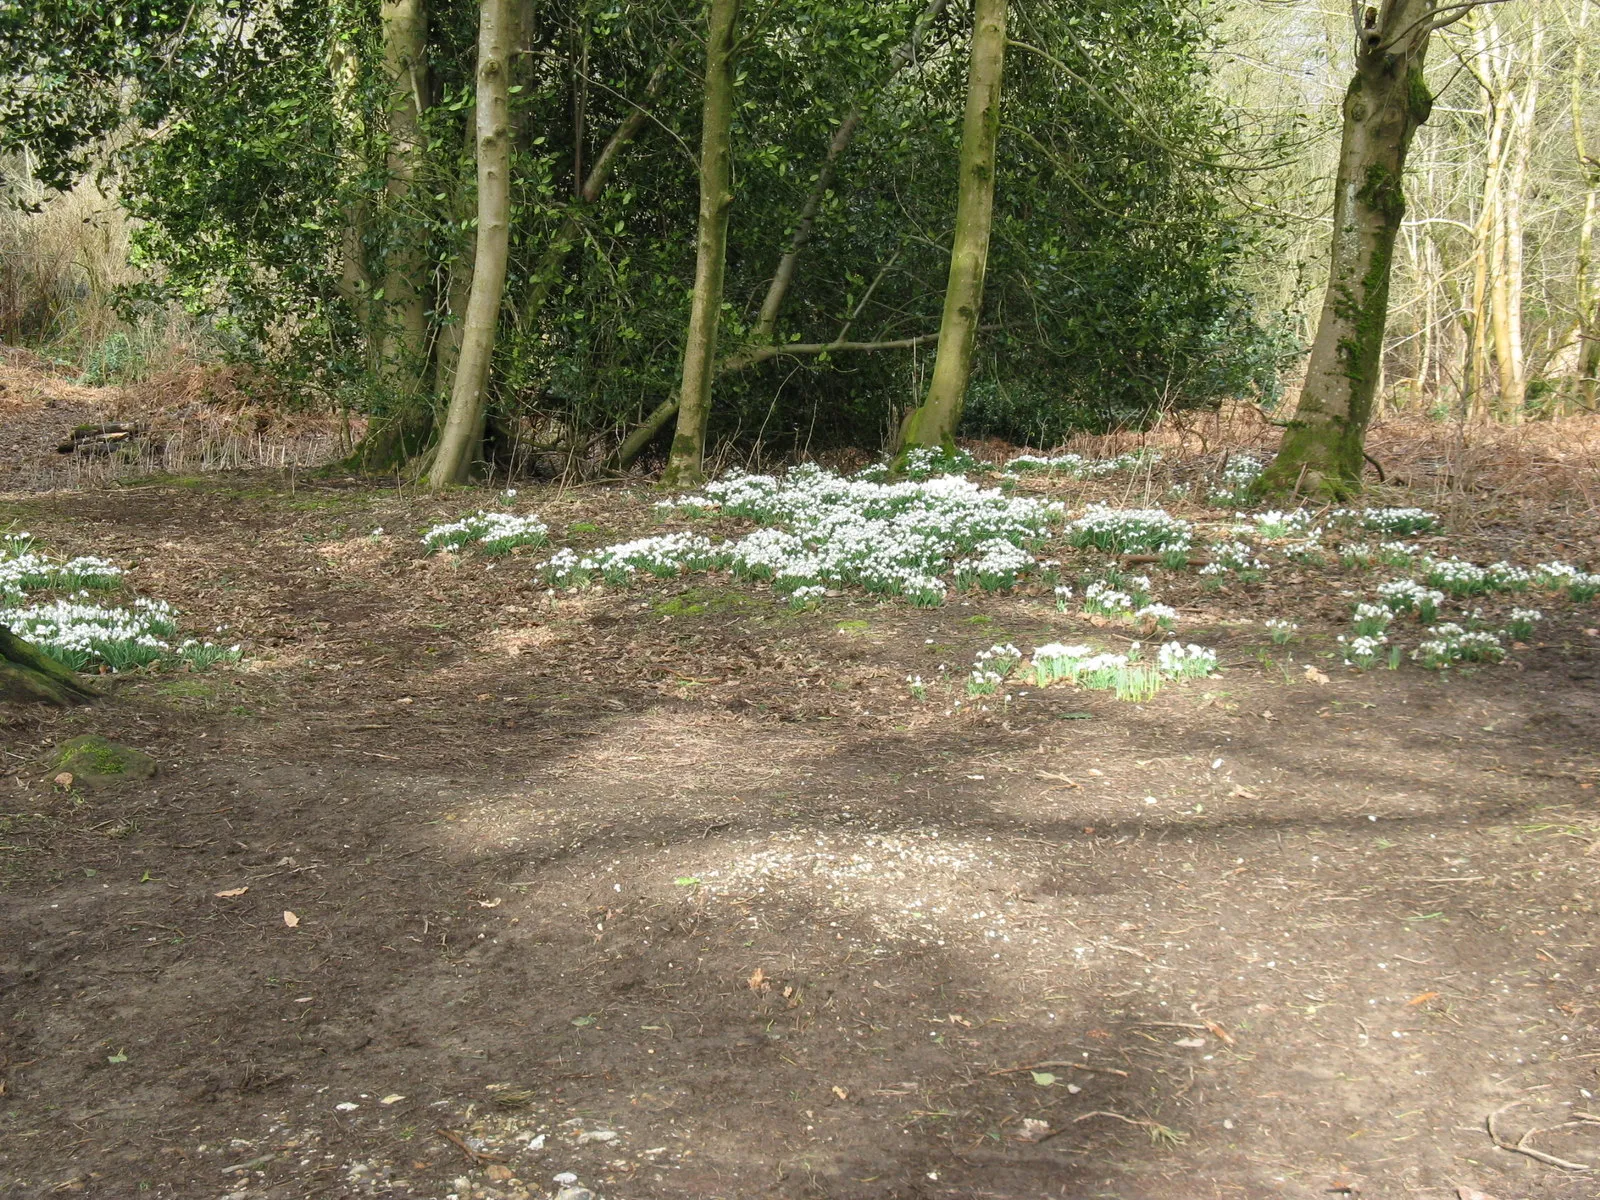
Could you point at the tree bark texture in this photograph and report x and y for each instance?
(1322, 448)
(405, 301)
(462, 434)
(686, 466)
(935, 422)
(29, 676)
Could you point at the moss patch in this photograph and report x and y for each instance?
(95, 762)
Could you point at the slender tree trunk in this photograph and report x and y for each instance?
(1475, 370)
(1509, 350)
(686, 466)
(1586, 370)
(934, 424)
(405, 303)
(783, 277)
(462, 434)
(29, 676)
(355, 277)
(1322, 448)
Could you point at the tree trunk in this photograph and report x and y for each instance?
(783, 277)
(405, 307)
(29, 676)
(934, 424)
(1510, 355)
(1322, 448)
(686, 466)
(1586, 370)
(1485, 230)
(469, 390)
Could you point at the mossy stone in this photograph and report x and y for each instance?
(95, 762)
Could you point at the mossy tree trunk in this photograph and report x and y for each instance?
(463, 429)
(1322, 452)
(934, 423)
(29, 676)
(686, 465)
(405, 301)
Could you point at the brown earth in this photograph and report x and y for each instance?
(675, 864)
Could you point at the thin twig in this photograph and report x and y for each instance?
(1074, 1066)
(476, 1157)
(1520, 1146)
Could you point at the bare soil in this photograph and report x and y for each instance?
(676, 865)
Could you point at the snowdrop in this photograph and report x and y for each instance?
(1520, 622)
(894, 538)
(1409, 596)
(1185, 662)
(1449, 643)
(1123, 529)
(492, 533)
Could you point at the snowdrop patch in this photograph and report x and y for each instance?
(821, 530)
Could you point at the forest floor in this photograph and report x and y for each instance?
(670, 891)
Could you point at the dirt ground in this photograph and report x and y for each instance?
(670, 892)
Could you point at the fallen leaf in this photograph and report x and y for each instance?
(499, 1172)
(1315, 676)
(1043, 1078)
(495, 903)
(1243, 793)
(758, 981)
(1466, 1193)
(1422, 999)
(64, 780)
(231, 893)
(840, 1092)
(958, 1019)
(1193, 1043)
(1219, 1032)
(391, 1098)
(290, 919)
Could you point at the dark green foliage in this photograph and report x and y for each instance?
(262, 157)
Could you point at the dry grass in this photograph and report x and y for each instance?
(1552, 463)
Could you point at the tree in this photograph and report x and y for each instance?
(934, 424)
(463, 429)
(1322, 448)
(28, 676)
(685, 467)
(405, 300)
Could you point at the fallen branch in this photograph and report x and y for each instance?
(1520, 1146)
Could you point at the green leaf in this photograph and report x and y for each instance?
(1043, 1078)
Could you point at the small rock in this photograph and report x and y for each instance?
(500, 1173)
(575, 1193)
(565, 1177)
(94, 762)
(597, 1135)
